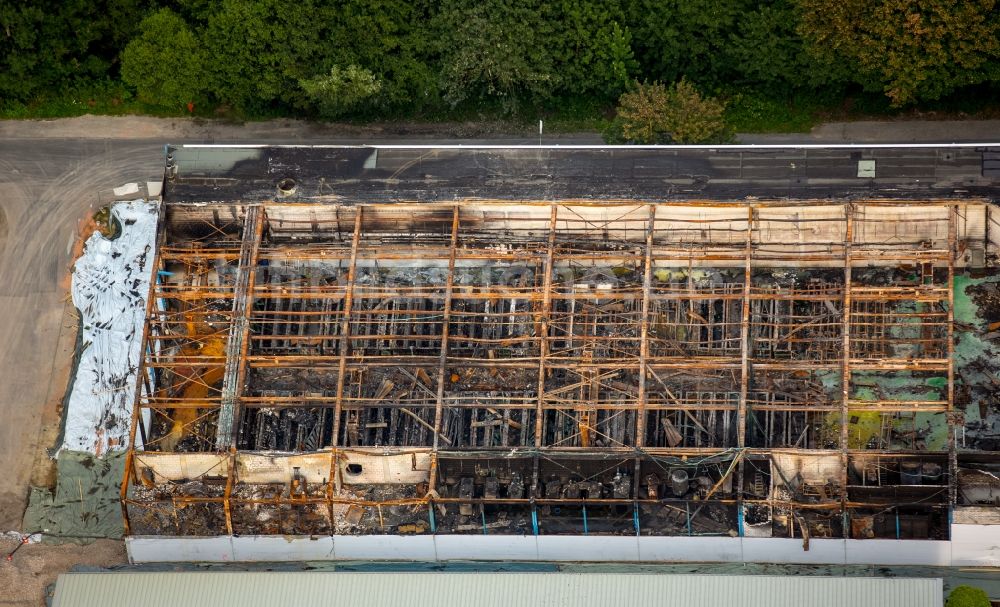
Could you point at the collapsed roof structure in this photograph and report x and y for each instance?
(565, 341)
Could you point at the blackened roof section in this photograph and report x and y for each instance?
(388, 174)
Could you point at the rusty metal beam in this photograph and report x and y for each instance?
(745, 333)
(446, 318)
(845, 375)
(928, 295)
(647, 287)
(629, 363)
(137, 395)
(952, 415)
(624, 202)
(142, 373)
(345, 328)
(543, 336)
(745, 366)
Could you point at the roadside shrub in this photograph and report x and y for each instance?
(655, 113)
(967, 596)
(341, 91)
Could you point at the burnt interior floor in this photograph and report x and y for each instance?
(761, 369)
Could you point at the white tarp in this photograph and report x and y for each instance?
(110, 285)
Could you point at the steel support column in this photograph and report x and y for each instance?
(443, 356)
(345, 344)
(952, 415)
(741, 412)
(845, 374)
(543, 339)
(239, 328)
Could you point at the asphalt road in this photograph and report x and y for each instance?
(201, 174)
(46, 188)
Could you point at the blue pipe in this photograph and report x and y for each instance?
(739, 520)
(534, 520)
(430, 515)
(687, 507)
(635, 518)
(897, 523)
(482, 511)
(585, 529)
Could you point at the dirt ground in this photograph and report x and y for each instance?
(49, 188)
(24, 579)
(177, 130)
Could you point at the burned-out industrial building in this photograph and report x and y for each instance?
(730, 342)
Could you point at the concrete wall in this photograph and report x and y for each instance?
(972, 546)
(258, 468)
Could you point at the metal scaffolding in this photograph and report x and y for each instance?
(547, 367)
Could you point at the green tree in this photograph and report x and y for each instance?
(51, 47)
(685, 38)
(261, 49)
(616, 63)
(590, 47)
(195, 12)
(165, 63)
(342, 90)
(654, 113)
(765, 49)
(911, 49)
(393, 40)
(495, 49)
(25, 64)
(967, 596)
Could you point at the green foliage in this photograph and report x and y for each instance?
(166, 63)
(616, 63)
(685, 38)
(342, 90)
(48, 44)
(106, 97)
(23, 68)
(389, 38)
(766, 50)
(911, 49)
(654, 113)
(774, 61)
(261, 49)
(967, 596)
(572, 114)
(693, 118)
(590, 46)
(642, 115)
(751, 112)
(494, 48)
(196, 11)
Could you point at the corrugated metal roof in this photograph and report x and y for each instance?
(308, 589)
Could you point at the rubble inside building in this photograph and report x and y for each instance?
(803, 368)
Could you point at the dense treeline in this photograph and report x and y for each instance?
(334, 58)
